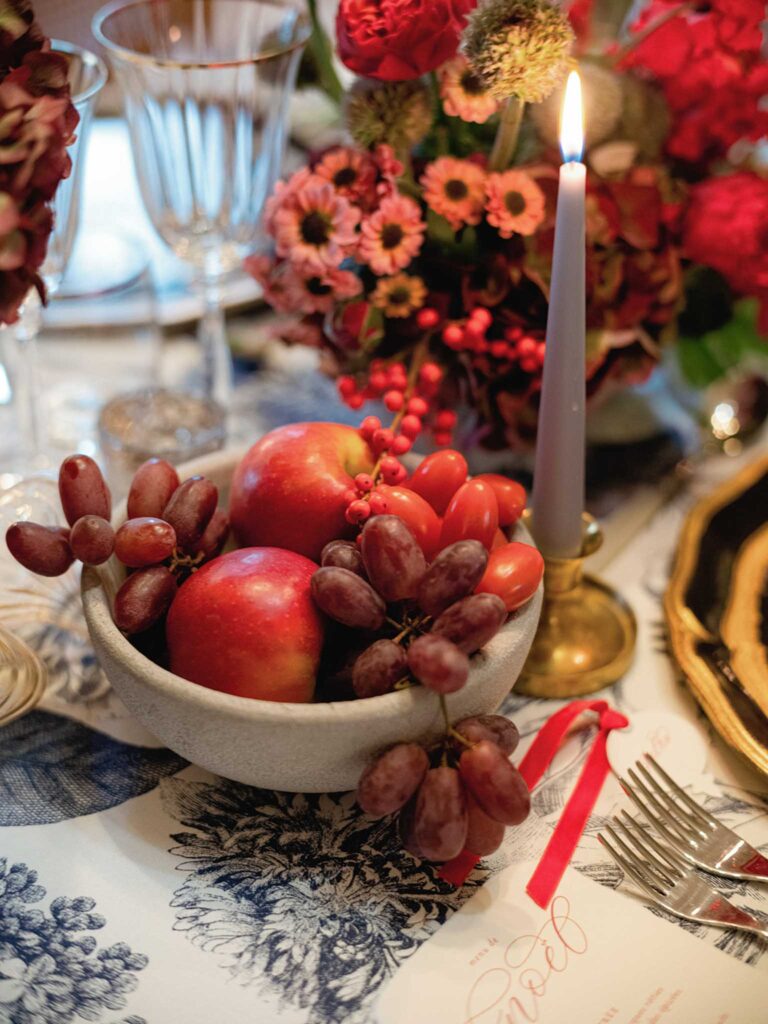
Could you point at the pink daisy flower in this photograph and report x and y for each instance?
(392, 235)
(514, 203)
(314, 226)
(281, 192)
(351, 172)
(289, 291)
(463, 94)
(455, 189)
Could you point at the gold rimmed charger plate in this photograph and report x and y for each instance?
(22, 678)
(715, 608)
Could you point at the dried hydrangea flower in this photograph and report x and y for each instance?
(519, 48)
(398, 114)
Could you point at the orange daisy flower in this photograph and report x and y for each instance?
(351, 172)
(463, 94)
(455, 189)
(392, 235)
(399, 295)
(514, 203)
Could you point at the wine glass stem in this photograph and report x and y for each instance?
(212, 332)
(27, 398)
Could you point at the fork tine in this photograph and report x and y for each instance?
(670, 873)
(654, 877)
(677, 824)
(670, 855)
(679, 792)
(653, 817)
(667, 799)
(627, 867)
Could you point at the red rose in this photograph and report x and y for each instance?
(395, 40)
(725, 229)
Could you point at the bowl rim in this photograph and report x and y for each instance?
(98, 614)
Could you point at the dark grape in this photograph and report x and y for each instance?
(390, 781)
(347, 598)
(144, 541)
(484, 835)
(92, 540)
(392, 558)
(83, 490)
(144, 598)
(214, 536)
(378, 668)
(495, 783)
(454, 573)
(471, 622)
(190, 509)
(438, 663)
(496, 728)
(440, 815)
(344, 554)
(43, 550)
(152, 487)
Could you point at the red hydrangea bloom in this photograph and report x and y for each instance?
(396, 40)
(710, 66)
(725, 228)
(37, 121)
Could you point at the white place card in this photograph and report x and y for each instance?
(593, 957)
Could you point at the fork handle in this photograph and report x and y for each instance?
(720, 911)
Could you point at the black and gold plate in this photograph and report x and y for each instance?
(716, 609)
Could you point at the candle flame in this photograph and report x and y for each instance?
(572, 120)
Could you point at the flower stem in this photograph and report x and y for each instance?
(640, 37)
(507, 133)
(323, 55)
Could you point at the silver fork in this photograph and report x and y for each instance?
(669, 882)
(690, 830)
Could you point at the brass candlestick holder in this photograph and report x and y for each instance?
(587, 631)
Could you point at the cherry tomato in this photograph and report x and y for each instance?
(509, 494)
(473, 514)
(417, 513)
(499, 540)
(438, 477)
(513, 573)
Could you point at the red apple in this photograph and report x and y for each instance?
(288, 490)
(246, 624)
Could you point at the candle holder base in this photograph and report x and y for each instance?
(587, 631)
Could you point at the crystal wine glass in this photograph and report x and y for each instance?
(206, 85)
(87, 75)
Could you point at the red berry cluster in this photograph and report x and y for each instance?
(514, 348)
(414, 401)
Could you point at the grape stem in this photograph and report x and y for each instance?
(179, 561)
(449, 730)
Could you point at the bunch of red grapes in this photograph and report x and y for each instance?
(466, 792)
(459, 796)
(172, 528)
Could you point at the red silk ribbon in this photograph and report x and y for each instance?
(559, 850)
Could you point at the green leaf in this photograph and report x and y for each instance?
(439, 230)
(709, 357)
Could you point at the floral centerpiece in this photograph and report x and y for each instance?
(37, 121)
(428, 238)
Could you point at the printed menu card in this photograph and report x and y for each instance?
(593, 957)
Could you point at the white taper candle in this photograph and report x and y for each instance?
(558, 482)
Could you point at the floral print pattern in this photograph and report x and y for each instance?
(51, 971)
(302, 894)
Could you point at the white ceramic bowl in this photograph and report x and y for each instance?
(299, 748)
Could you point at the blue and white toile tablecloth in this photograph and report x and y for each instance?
(136, 888)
